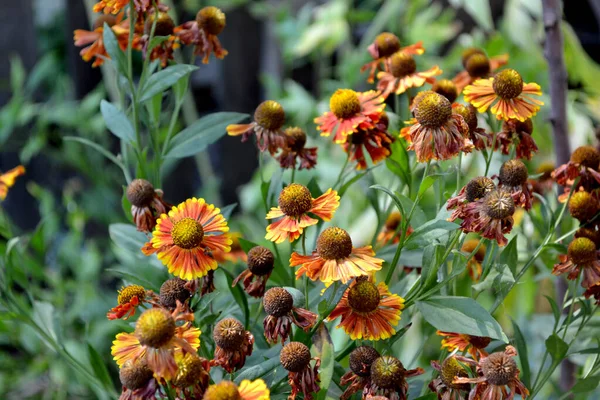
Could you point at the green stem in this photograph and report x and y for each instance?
(293, 174)
(339, 178)
(172, 122)
(305, 276)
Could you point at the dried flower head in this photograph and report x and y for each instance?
(581, 256)
(361, 360)
(164, 24)
(295, 356)
(269, 118)
(446, 88)
(233, 344)
(172, 291)
(583, 206)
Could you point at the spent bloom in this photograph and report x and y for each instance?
(382, 48)
(8, 179)
(475, 345)
(359, 375)
(295, 149)
(491, 216)
(138, 381)
(174, 291)
(261, 262)
(295, 204)
(477, 65)
(479, 137)
(349, 112)
(401, 74)
(388, 378)
(247, 390)
(281, 313)
(444, 384)
(506, 94)
(269, 118)
(202, 33)
(584, 164)
(185, 238)
(513, 177)
(94, 40)
(129, 298)
(192, 376)
(435, 132)
(517, 134)
(295, 358)
(147, 204)
(376, 141)
(368, 311)
(476, 189)
(581, 257)
(233, 344)
(335, 259)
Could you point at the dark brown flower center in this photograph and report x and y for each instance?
(508, 84)
(583, 206)
(499, 369)
(334, 243)
(468, 113)
(344, 103)
(269, 115)
(295, 200)
(446, 88)
(402, 64)
(586, 156)
(171, 291)
(452, 369)
(260, 260)
(296, 138)
(294, 356)
(211, 20)
(513, 173)
(361, 359)
(364, 296)
(187, 233)
(387, 372)
(468, 52)
(387, 44)
(229, 334)
(140, 192)
(278, 302)
(589, 233)
(135, 375)
(499, 204)
(164, 24)
(478, 65)
(433, 110)
(478, 187)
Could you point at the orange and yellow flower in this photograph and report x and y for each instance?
(401, 74)
(477, 65)
(507, 95)
(247, 390)
(202, 33)
(7, 180)
(384, 46)
(236, 254)
(368, 311)
(295, 203)
(156, 339)
(475, 345)
(376, 141)
(336, 259)
(129, 298)
(349, 112)
(389, 232)
(110, 6)
(185, 238)
(94, 40)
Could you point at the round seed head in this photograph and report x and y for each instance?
(583, 206)
(582, 251)
(140, 192)
(171, 291)
(508, 84)
(446, 88)
(278, 302)
(344, 103)
(260, 260)
(499, 368)
(499, 204)
(587, 156)
(513, 173)
(387, 372)
(402, 64)
(135, 375)
(155, 327)
(229, 334)
(433, 110)
(387, 44)
(363, 296)
(361, 359)
(478, 188)
(211, 20)
(269, 115)
(334, 243)
(294, 356)
(295, 200)
(187, 233)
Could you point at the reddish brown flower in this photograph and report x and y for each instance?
(477, 65)
(147, 204)
(443, 385)
(514, 178)
(269, 118)
(491, 216)
(382, 48)
(388, 378)
(202, 33)
(164, 26)
(173, 293)
(518, 134)
(138, 381)
(359, 375)
(294, 150)
(476, 189)
(584, 164)
(480, 138)
(475, 345)
(593, 291)
(376, 141)
(582, 255)
(233, 344)
(281, 313)
(260, 265)
(295, 358)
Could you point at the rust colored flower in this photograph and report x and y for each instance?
(477, 65)
(295, 204)
(475, 345)
(260, 265)
(506, 94)
(444, 384)
(491, 216)
(7, 180)
(269, 118)
(582, 256)
(591, 233)
(435, 132)
(164, 27)
(295, 150)
(474, 266)
(295, 358)
(192, 377)
(174, 292)
(496, 373)
(476, 189)
(584, 164)
(359, 375)
(156, 339)
(336, 259)
(593, 291)
(94, 40)
(388, 233)
(138, 381)
(349, 112)
(281, 313)
(401, 74)
(388, 378)
(514, 178)
(233, 344)
(129, 298)
(368, 311)
(202, 33)
(382, 48)
(186, 237)
(518, 134)
(376, 141)
(479, 137)
(247, 390)
(147, 204)
(446, 88)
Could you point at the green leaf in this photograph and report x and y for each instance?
(313, 187)
(246, 244)
(117, 122)
(586, 385)
(99, 149)
(298, 296)
(395, 198)
(163, 80)
(430, 231)
(555, 309)
(134, 278)
(17, 74)
(258, 371)
(156, 41)
(99, 367)
(127, 237)
(111, 44)
(429, 180)
(347, 185)
(509, 255)
(202, 133)
(239, 295)
(521, 345)
(460, 315)
(325, 351)
(557, 348)
(498, 279)
(228, 210)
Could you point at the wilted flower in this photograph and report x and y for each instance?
(164, 27)
(336, 259)
(474, 266)
(584, 206)
(260, 265)
(491, 216)
(513, 97)
(388, 378)
(479, 137)
(401, 74)
(388, 233)
(247, 390)
(591, 233)
(269, 118)
(7, 180)
(295, 358)
(376, 141)
(359, 375)
(593, 291)
(202, 33)
(518, 134)
(94, 39)
(281, 313)
(138, 381)
(582, 255)
(295, 203)
(435, 132)
(446, 88)
(475, 345)
(186, 237)
(514, 178)
(496, 373)
(192, 376)
(174, 291)
(295, 149)
(233, 344)
(129, 298)
(368, 311)
(584, 164)
(477, 65)
(384, 45)
(147, 204)
(444, 384)
(476, 189)
(349, 112)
